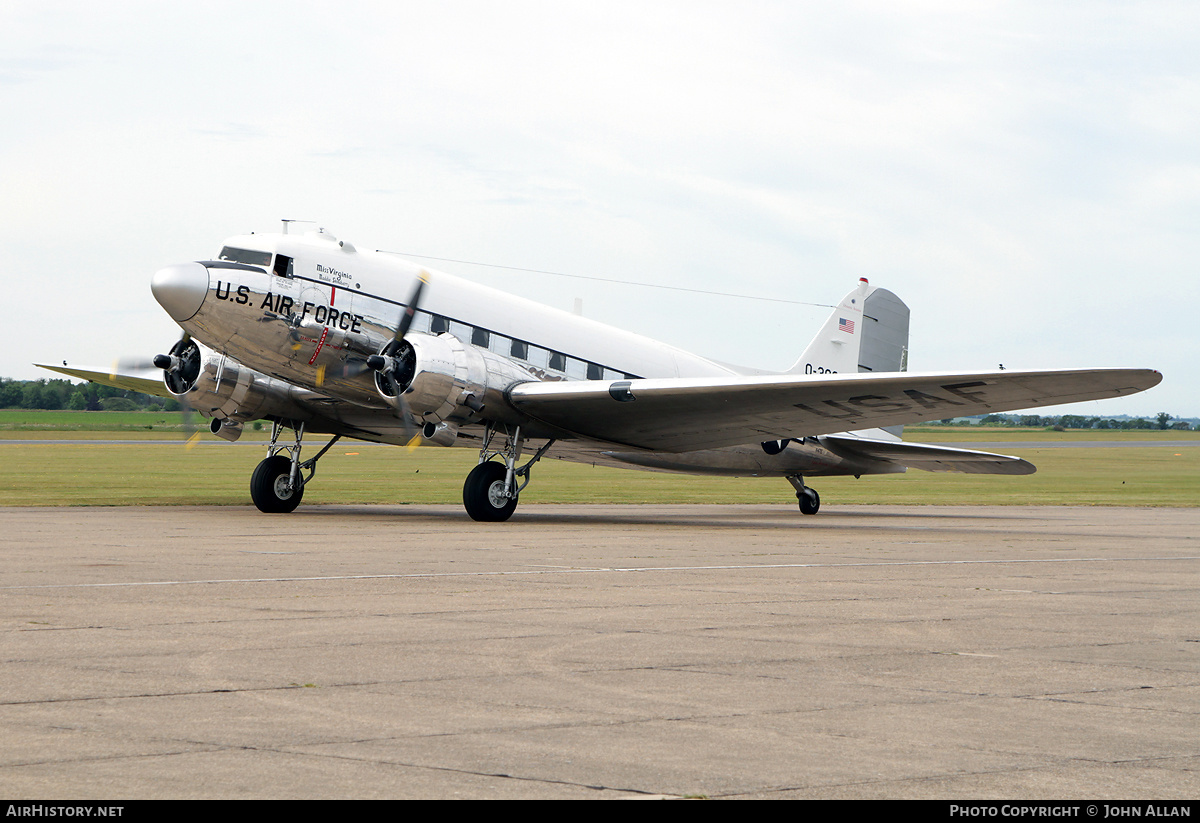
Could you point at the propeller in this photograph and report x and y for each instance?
(385, 360)
(191, 433)
(396, 362)
(181, 364)
(181, 367)
(172, 362)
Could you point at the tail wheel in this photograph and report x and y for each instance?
(483, 493)
(271, 486)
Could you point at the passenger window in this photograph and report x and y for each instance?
(479, 337)
(520, 350)
(537, 356)
(438, 325)
(558, 361)
(594, 372)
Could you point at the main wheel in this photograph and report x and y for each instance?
(810, 501)
(271, 487)
(483, 493)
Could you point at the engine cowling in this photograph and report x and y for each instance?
(221, 388)
(443, 379)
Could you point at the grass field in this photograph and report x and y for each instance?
(218, 473)
(22, 424)
(963, 434)
(26, 420)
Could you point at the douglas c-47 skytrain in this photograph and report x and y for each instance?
(316, 336)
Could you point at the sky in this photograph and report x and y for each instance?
(1025, 176)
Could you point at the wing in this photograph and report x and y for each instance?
(146, 382)
(685, 414)
(321, 413)
(927, 457)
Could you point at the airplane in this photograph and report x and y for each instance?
(319, 337)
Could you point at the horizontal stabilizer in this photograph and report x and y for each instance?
(927, 457)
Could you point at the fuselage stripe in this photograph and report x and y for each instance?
(382, 299)
(320, 343)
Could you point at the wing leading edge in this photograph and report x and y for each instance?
(145, 382)
(686, 414)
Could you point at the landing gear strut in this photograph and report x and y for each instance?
(491, 491)
(276, 486)
(810, 501)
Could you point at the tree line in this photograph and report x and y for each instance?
(61, 394)
(1161, 421)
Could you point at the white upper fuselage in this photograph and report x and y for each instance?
(374, 286)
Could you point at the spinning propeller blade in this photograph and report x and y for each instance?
(180, 369)
(390, 361)
(409, 312)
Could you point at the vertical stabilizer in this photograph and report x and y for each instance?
(867, 332)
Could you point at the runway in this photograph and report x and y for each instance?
(589, 652)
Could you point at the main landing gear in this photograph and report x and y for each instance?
(276, 487)
(490, 492)
(810, 501)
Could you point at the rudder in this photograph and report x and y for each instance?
(884, 346)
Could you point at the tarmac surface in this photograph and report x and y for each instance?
(600, 652)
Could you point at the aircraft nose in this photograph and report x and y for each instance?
(180, 289)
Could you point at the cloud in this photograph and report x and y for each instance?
(1025, 176)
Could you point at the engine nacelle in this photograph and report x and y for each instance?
(218, 387)
(443, 379)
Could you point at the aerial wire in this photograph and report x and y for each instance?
(610, 280)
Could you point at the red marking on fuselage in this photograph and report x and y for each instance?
(320, 343)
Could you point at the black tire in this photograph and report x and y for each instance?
(810, 501)
(268, 486)
(483, 494)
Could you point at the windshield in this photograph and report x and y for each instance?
(247, 256)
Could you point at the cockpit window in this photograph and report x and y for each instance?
(247, 256)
